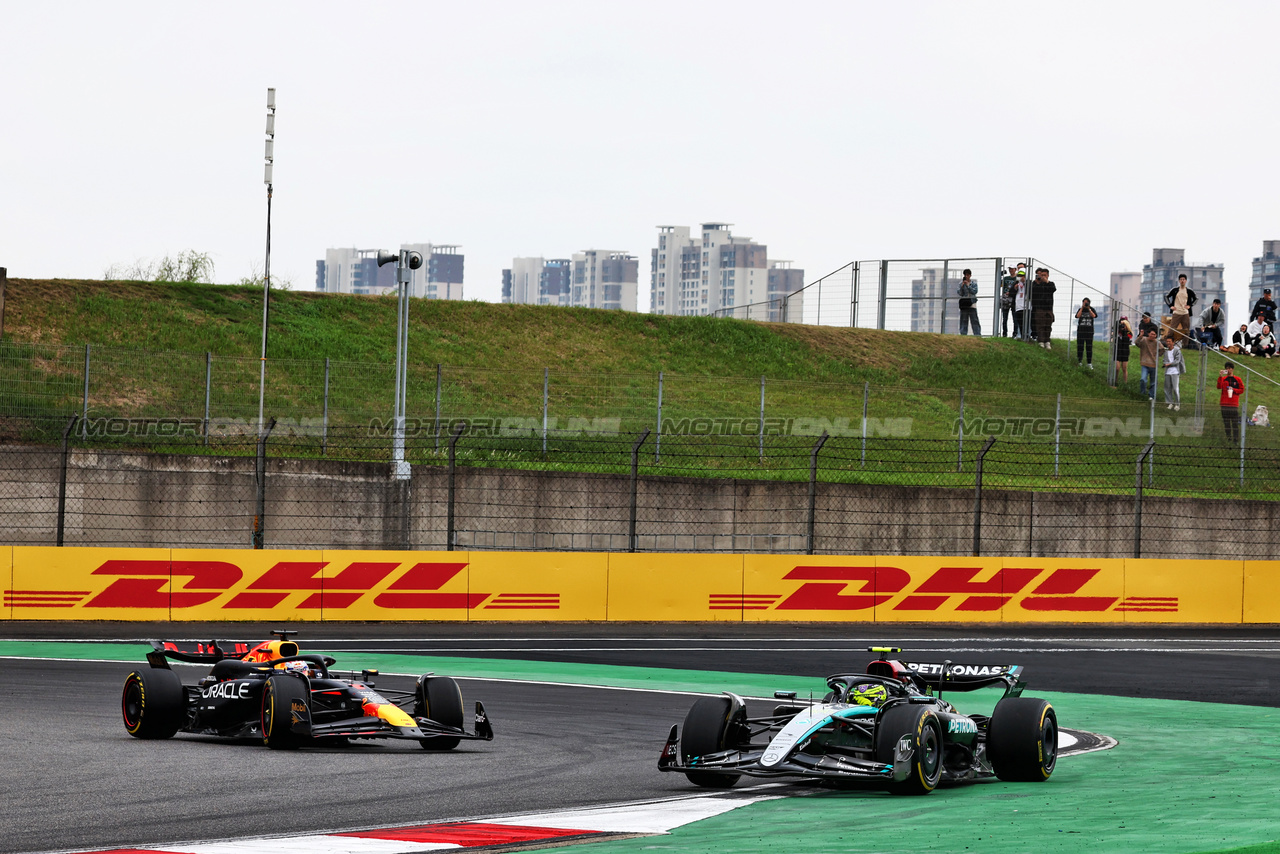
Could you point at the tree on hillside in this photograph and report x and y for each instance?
(283, 283)
(187, 266)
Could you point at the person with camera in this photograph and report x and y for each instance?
(1148, 353)
(1124, 337)
(1231, 387)
(968, 292)
(1085, 316)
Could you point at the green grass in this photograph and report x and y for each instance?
(148, 343)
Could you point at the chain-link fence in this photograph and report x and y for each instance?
(583, 490)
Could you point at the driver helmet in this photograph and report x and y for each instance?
(868, 694)
(297, 667)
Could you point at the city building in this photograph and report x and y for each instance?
(1266, 274)
(604, 278)
(931, 294)
(356, 271)
(537, 281)
(1161, 276)
(712, 273)
(785, 296)
(1125, 288)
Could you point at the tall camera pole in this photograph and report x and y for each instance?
(270, 156)
(406, 262)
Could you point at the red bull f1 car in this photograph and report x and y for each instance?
(274, 692)
(888, 728)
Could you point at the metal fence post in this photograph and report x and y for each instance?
(884, 294)
(946, 275)
(453, 469)
(324, 423)
(1151, 458)
(853, 302)
(208, 378)
(62, 478)
(761, 419)
(635, 478)
(813, 489)
(437, 425)
(1137, 500)
(866, 389)
(1057, 433)
(260, 512)
(84, 414)
(657, 440)
(960, 448)
(546, 374)
(977, 497)
(1244, 422)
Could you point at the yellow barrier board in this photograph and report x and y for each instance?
(675, 587)
(1261, 591)
(6, 575)
(1183, 591)
(44, 583)
(539, 586)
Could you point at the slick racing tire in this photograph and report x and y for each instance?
(279, 697)
(440, 699)
(154, 703)
(1022, 740)
(709, 728)
(925, 730)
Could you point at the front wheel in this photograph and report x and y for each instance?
(153, 703)
(1022, 740)
(923, 728)
(708, 728)
(285, 701)
(440, 699)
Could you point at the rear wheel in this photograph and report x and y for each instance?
(708, 728)
(153, 703)
(440, 699)
(925, 731)
(1022, 740)
(285, 699)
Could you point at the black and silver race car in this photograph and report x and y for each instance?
(287, 699)
(888, 728)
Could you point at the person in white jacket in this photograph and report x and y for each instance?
(1020, 304)
(1174, 367)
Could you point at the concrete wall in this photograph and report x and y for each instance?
(174, 501)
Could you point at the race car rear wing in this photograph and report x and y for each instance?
(950, 675)
(199, 652)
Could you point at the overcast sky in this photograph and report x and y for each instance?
(1084, 133)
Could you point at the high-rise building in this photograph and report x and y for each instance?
(604, 278)
(1161, 276)
(537, 281)
(707, 274)
(1266, 274)
(356, 271)
(786, 302)
(1125, 288)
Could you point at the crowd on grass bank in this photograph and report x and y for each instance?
(1031, 306)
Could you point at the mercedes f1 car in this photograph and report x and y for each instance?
(273, 692)
(888, 728)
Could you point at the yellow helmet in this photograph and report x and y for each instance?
(869, 694)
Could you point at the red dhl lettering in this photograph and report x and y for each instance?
(859, 588)
(143, 585)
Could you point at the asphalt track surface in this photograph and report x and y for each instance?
(74, 779)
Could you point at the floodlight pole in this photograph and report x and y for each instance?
(406, 262)
(269, 155)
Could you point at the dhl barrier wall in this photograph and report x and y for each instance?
(44, 583)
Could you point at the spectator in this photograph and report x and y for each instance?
(1042, 291)
(1148, 348)
(1255, 329)
(1212, 320)
(1174, 368)
(1146, 324)
(1124, 337)
(1085, 316)
(1241, 341)
(1008, 291)
(1020, 305)
(1180, 300)
(968, 292)
(1266, 305)
(1231, 386)
(1265, 344)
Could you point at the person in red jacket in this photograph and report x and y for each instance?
(1231, 386)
